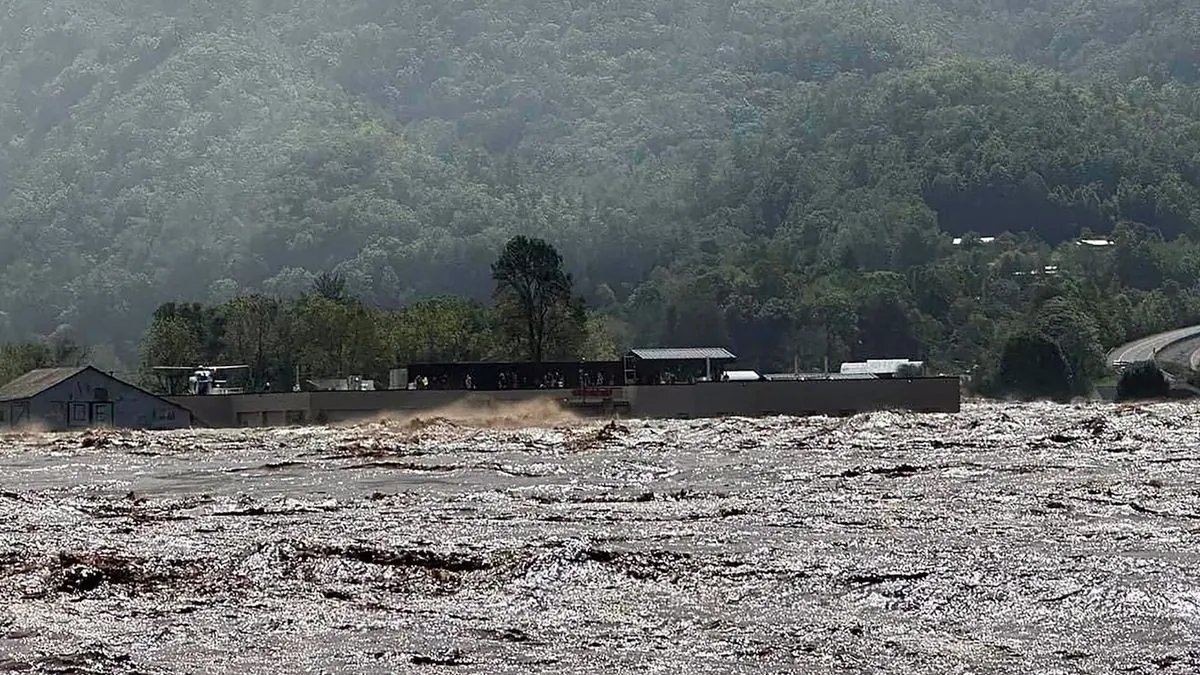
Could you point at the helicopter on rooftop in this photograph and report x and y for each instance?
(204, 380)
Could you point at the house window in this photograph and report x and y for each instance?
(3, 413)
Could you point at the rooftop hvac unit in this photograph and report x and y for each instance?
(741, 376)
(879, 366)
(398, 378)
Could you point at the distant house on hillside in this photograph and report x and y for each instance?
(59, 399)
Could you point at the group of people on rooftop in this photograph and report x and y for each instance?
(530, 378)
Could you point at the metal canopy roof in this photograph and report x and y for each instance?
(684, 354)
(35, 382)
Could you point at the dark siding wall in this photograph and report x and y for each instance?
(14, 414)
(77, 403)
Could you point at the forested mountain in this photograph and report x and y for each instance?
(781, 176)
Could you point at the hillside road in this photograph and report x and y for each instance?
(1178, 357)
(1145, 348)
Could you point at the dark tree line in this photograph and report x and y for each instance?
(54, 352)
(327, 332)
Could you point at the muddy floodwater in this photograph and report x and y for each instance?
(1005, 539)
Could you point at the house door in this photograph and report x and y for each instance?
(19, 413)
(102, 413)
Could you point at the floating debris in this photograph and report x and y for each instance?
(1002, 539)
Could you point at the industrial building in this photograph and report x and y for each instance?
(824, 396)
(653, 383)
(60, 399)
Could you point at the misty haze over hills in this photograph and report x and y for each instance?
(782, 176)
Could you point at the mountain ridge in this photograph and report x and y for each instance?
(704, 166)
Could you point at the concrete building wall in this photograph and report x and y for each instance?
(348, 406)
(92, 398)
(715, 399)
(246, 410)
(319, 407)
(216, 411)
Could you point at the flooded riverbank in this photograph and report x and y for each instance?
(1006, 538)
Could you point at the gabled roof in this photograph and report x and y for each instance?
(36, 381)
(684, 354)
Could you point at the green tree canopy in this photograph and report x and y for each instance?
(784, 178)
(535, 293)
(1032, 366)
(1142, 380)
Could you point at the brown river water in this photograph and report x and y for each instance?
(1007, 538)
